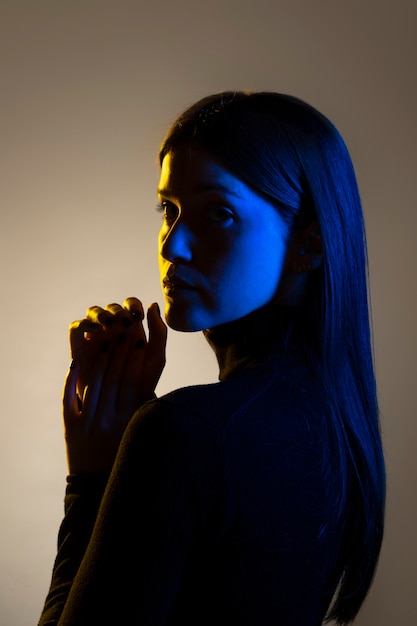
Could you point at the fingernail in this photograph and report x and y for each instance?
(137, 315)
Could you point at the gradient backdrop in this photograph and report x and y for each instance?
(88, 89)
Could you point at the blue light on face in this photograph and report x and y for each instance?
(222, 246)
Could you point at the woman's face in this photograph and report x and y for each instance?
(221, 245)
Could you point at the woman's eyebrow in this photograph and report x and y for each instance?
(204, 187)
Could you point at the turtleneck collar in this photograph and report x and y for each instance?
(258, 336)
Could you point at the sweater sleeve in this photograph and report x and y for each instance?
(162, 499)
(82, 500)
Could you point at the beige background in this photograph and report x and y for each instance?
(87, 91)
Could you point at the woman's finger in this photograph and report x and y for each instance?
(98, 315)
(122, 315)
(144, 362)
(114, 308)
(156, 349)
(133, 389)
(157, 334)
(135, 307)
(86, 339)
(77, 333)
(69, 398)
(111, 386)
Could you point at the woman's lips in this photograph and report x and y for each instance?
(174, 284)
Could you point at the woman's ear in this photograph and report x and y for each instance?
(305, 252)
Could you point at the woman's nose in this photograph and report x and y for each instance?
(176, 245)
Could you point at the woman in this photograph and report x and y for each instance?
(257, 500)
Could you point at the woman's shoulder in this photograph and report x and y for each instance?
(280, 390)
(262, 427)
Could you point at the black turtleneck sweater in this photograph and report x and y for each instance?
(216, 511)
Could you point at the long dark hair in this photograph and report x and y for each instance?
(288, 151)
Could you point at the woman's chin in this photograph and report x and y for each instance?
(182, 323)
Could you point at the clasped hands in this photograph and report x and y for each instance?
(115, 368)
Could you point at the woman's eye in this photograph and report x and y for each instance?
(169, 211)
(220, 214)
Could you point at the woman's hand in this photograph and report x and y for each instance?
(115, 369)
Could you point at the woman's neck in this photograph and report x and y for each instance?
(244, 342)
